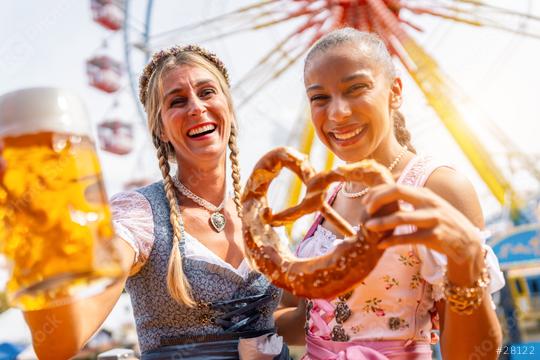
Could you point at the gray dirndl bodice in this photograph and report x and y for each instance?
(159, 318)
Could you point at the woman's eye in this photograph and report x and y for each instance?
(207, 92)
(357, 87)
(178, 101)
(316, 98)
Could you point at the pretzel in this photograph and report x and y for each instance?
(321, 277)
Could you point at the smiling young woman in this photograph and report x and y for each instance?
(436, 261)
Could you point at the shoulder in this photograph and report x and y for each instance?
(148, 190)
(449, 183)
(139, 195)
(455, 188)
(133, 223)
(127, 200)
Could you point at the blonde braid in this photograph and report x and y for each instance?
(177, 284)
(235, 169)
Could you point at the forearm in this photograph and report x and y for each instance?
(475, 336)
(60, 332)
(290, 324)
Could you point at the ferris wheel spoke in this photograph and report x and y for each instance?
(508, 29)
(279, 51)
(265, 74)
(238, 21)
(478, 19)
(379, 27)
(444, 15)
(411, 25)
(234, 17)
(482, 13)
(282, 56)
(501, 10)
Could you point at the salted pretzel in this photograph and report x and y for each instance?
(321, 277)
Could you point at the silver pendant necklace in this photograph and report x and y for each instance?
(366, 189)
(217, 219)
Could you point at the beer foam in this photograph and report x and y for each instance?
(42, 109)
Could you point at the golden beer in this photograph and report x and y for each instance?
(55, 224)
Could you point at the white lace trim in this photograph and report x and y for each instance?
(133, 222)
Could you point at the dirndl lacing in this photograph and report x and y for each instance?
(237, 341)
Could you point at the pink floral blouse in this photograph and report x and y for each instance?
(396, 301)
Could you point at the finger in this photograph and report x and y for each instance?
(419, 218)
(419, 237)
(385, 194)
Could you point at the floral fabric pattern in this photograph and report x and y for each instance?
(373, 305)
(396, 301)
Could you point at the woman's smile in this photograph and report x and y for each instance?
(202, 131)
(345, 137)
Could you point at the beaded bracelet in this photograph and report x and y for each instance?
(464, 300)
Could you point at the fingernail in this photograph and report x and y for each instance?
(371, 223)
(369, 209)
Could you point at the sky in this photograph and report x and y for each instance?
(46, 43)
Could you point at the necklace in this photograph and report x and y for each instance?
(366, 189)
(217, 219)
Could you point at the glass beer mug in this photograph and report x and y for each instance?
(55, 225)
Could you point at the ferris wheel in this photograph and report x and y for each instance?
(302, 22)
(410, 28)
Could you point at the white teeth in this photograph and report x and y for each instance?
(345, 136)
(201, 129)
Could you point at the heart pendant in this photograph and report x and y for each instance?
(218, 221)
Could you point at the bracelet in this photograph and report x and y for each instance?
(464, 300)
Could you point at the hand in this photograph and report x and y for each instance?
(440, 227)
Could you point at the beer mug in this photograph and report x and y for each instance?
(55, 225)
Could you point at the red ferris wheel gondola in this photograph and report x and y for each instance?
(104, 73)
(116, 136)
(107, 13)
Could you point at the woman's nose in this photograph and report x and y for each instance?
(339, 109)
(197, 107)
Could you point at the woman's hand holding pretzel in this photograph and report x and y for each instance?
(440, 226)
(325, 276)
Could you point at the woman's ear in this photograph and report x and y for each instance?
(395, 94)
(163, 137)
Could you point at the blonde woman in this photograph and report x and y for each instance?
(193, 294)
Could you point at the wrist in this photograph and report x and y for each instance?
(465, 300)
(466, 281)
(468, 269)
